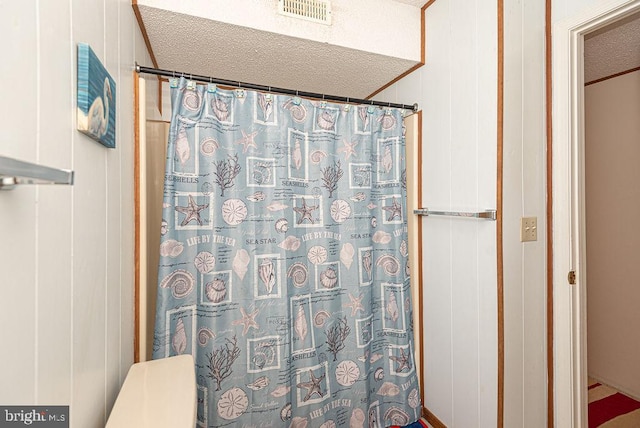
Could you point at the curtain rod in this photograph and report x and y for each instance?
(206, 79)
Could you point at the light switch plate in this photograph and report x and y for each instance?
(528, 229)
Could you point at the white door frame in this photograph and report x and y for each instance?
(569, 250)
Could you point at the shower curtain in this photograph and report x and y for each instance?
(284, 266)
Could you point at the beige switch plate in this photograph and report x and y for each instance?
(528, 229)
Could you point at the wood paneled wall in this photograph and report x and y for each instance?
(67, 251)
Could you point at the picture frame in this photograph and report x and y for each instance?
(96, 98)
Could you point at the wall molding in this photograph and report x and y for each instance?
(136, 202)
(432, 419)
(549, 231)
(499, 217)
(420, 276)
(622, 73)
(147, 43)
(143, 29)
(423, 48)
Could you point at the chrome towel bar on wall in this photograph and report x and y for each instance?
(485, 215)
(14, 172)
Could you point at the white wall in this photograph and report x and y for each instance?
(612, 198)
(524, 188)
(457, 91)
(67, 258)
(569, 302)
(67, 252)
(567, 9)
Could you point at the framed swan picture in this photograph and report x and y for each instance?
(96, 98)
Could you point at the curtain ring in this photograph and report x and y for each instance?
(346, 106)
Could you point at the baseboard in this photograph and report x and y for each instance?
(432, 419)
(613, 384)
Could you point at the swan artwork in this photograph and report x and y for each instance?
(98, 115)
(96, 106)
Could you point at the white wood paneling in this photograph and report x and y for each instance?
(67, 263)
(436, 188)
(113, 225)
(486, 159)
(534, 203)
(90, 231)
(17, 217)
(487, 330)
(524, 195)
(463, 148)
(54, 222)
(456, 90)
(567, 9)
(133, 52)
(512, 211)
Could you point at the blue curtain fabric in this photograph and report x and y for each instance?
(284, 266)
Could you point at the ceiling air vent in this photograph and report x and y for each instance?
(311, 10)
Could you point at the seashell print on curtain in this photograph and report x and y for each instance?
(284, 264)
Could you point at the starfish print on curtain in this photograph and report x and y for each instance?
(312, 387)
(191, 211)
(305, 212)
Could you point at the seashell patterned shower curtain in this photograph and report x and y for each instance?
(284, 267)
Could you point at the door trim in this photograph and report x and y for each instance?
(549, 212)
(138, 118)
(569, 302)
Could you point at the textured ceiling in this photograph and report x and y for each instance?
(612, 49)
(211, 48)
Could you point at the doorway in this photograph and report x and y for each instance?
(568, 199)
(612, 199)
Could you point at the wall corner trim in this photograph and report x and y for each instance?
(422, 51)
(143, 29)
(432, 419)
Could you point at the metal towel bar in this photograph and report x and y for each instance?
(485, 215)
(13, 172)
